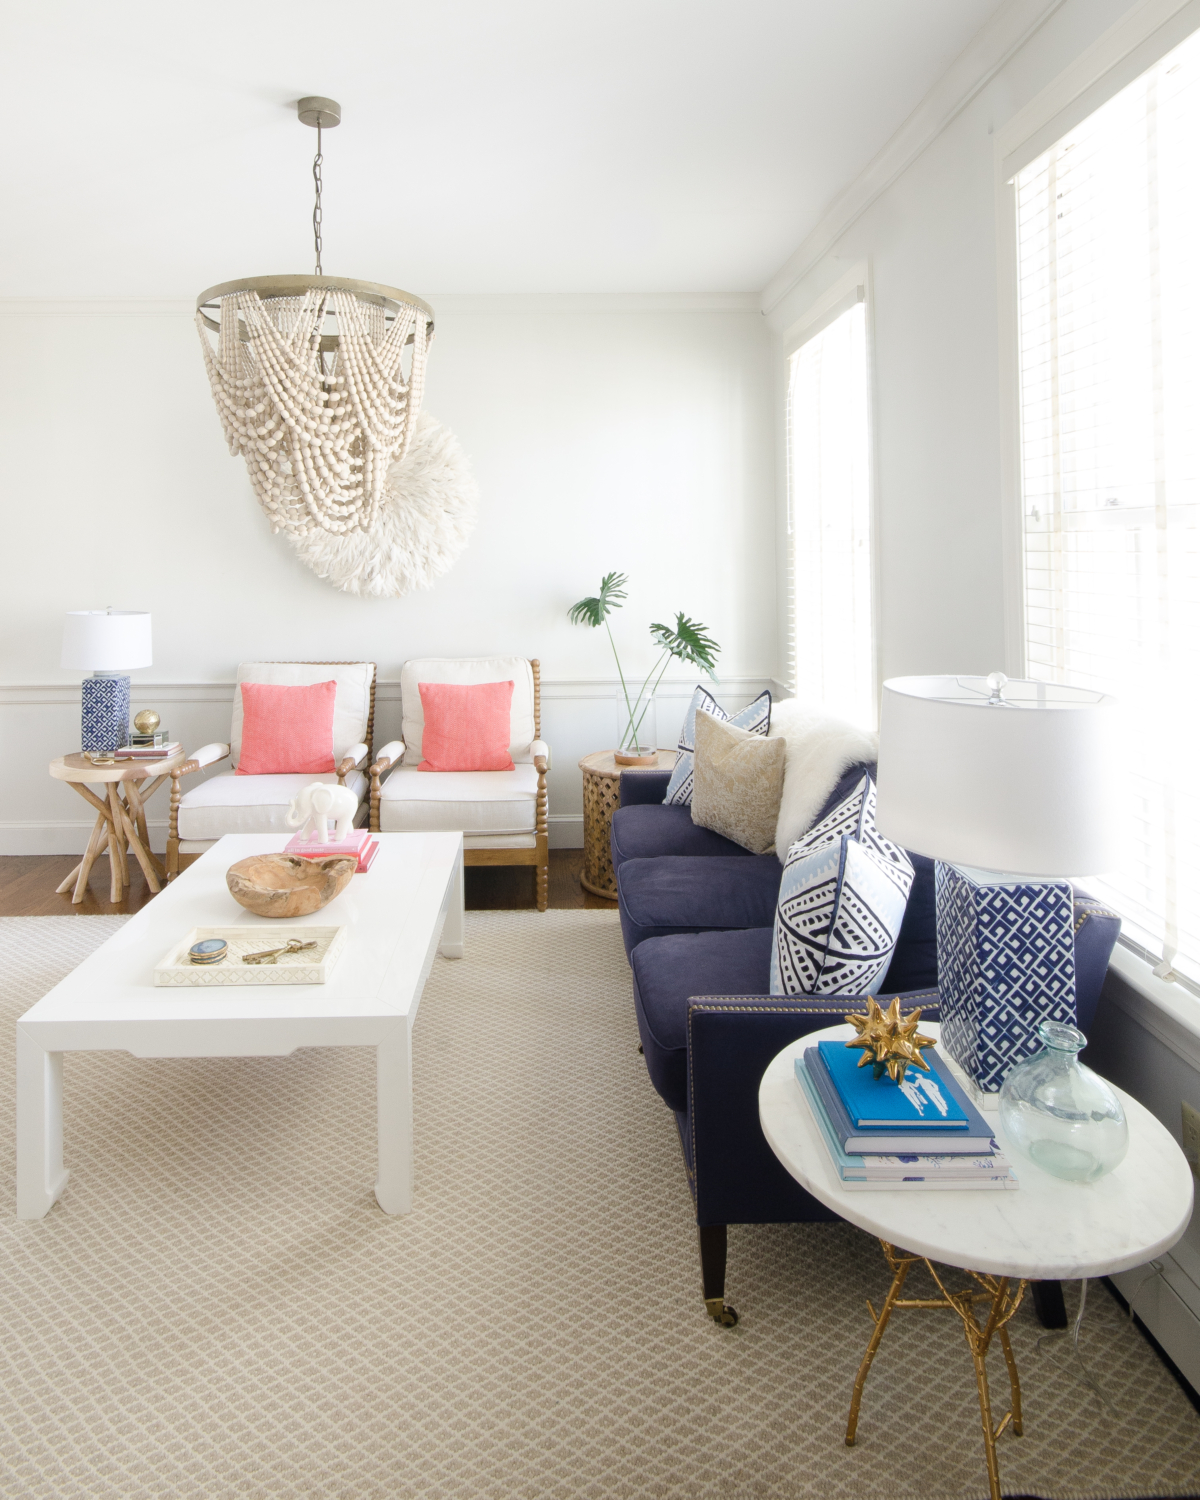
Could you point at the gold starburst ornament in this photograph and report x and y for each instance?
(889, 1040)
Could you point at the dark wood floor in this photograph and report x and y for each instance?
(27, 886)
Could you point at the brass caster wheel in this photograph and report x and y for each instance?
(722, 1314)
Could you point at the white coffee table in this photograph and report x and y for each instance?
(1046, 1230)
(408, 903)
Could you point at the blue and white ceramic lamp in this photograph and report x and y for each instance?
(110, 644)
(1008, 785)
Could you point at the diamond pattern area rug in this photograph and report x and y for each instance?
(216, 1307)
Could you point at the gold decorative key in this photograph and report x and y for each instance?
(269, 955)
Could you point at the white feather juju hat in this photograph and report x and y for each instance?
(426, 516)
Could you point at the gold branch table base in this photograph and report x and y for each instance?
(998, 1302)
(120, 828)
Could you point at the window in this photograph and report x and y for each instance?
(1108, 223)
(831, 654)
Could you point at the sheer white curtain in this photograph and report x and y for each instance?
(1108, 242)
(829, 513)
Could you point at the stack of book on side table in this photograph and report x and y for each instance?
(920, 1133)
(358, 844)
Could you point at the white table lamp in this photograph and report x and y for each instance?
(1008, 785)
(110, 644)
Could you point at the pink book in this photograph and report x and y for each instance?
(314, 849)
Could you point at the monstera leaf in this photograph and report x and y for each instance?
(688, 641)
(596, 610)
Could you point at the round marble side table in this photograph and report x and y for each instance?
(120, 816)
(601, 798)
(1046, 1230)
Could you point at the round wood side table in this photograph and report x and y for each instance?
(1046, 1230)
(120, 816)
(601, 798)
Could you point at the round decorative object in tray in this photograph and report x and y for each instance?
(283, 885)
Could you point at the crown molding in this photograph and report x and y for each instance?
(975, 66)
(451, 304)
(595, 302)
(118, 307)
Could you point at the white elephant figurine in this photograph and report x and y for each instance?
(312, 809)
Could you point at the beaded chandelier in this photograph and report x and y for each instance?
(308, 373)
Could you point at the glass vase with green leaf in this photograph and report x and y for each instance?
(687, 641)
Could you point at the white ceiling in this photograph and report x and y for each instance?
(152, 149)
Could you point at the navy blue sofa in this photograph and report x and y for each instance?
(696, 915)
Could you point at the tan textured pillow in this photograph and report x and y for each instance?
(738, 783)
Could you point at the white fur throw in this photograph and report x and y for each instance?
(819, 749)
(425, 517)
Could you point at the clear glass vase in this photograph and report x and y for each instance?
(637, 725)
(1060, 1115)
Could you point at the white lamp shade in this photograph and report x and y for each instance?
(1024, 787)
(97, 640)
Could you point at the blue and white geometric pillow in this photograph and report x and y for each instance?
(755, 717)
(855, 818)
(838, 917)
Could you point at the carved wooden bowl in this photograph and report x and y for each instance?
(280, 885)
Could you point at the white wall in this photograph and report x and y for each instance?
(930, 243)
(606, 433)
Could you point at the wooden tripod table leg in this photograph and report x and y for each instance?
(132, 825)
(137, 805)
(119, 868)
(79, 875)
(102, 827)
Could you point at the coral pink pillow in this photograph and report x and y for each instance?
(467, 726)
(286, 728)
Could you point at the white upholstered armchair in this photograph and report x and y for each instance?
(503, 815)
(230, 803)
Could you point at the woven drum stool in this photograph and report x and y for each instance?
(601, 798)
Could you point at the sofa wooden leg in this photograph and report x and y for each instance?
(1048, 1303)
(714, 1242)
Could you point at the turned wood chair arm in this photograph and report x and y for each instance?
(353, 760)
(207, 755)
(387, 758)
(540, 752)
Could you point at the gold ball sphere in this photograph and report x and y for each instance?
(147, 721)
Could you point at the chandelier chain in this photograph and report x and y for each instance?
(317, 160)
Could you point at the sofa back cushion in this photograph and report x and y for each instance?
(352, 697)
(471, 670)
(466, 726)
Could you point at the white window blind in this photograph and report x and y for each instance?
(831, 655)
(1108, 224)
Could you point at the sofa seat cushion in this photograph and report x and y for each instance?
(470, 802)
(250, 804)
(668, 971)
(647, 830)
(695, 894)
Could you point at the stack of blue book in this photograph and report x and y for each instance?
(921, 1133)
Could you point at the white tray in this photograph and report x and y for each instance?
(313, 966)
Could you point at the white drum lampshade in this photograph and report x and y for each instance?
(113, 640)
(1008, 786)
(1018, 778)
(109, 643)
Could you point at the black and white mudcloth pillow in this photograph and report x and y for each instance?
(755, 717)
(841, 903)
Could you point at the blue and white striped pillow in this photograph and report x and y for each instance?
(755, 717)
